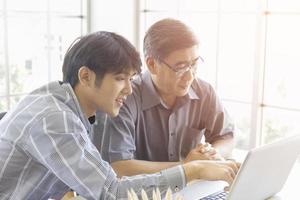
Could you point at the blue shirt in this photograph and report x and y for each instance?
(46, 150)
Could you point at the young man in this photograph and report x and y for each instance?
(45, 146)
(162, 123)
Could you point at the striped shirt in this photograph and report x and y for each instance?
(46, 150)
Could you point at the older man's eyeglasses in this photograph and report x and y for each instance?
(182, 67)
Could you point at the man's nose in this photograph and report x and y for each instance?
(189, 74)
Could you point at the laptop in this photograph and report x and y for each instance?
(263, 172)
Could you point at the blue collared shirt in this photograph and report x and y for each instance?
(46, 150)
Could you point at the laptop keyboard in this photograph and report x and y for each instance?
(218, 195)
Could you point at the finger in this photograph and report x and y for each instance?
(199, 146)
(208, 156)
(216, 155)
(226, 188)
(230, 171)
(208, 145)
(229, 180)
(203, 150)
(212, 151)
(205, 157)
(231, 164)
(212, 155)
(206, 148)
(228, 175)
(234, 166)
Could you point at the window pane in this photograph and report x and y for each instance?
(236, 56)
(199, 5)
(3, 104)
(169, 5)
(205, 27)
(74, 6)
(2, 67)
(286, 5)
(28, 5)
(151, 18)
(279, 123)
(282, 61)
(241, 114)
(239, 5)
(27, 52)
(60, 41)
(148, 19)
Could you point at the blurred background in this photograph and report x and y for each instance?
(251, 50)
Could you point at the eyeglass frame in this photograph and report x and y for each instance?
(188, 66)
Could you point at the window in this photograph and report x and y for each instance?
(250, 49)
(281, 109)
(34, 39)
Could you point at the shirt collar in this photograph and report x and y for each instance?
(151, 97)
(149, 94)
(191, 93)
(73, 103)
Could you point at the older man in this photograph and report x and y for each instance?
(162, 124)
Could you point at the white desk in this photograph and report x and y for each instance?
(290, 190)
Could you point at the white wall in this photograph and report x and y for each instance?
(120, 16)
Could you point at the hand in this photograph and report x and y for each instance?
(203, 152)
(210, 152)
(211, 170)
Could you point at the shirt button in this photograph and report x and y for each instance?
(172, 134)
(176, 189)
(171, 154)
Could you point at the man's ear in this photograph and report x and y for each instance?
(84, 76)
(151, 64)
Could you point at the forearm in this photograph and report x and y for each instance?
(172, 178)
(224, 146)
(135, 167)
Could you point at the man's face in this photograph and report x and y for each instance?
(175, 74)
(112, 92)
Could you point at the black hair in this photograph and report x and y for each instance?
(102, 52)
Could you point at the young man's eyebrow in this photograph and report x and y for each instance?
(126, 73)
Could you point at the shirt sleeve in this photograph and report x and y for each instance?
(115, 137)
(60, 142)
(219, 124)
